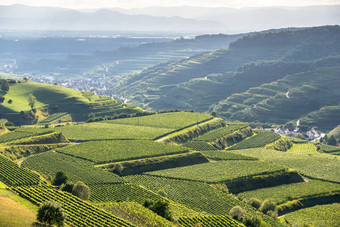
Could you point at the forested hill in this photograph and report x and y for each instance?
(204, 80)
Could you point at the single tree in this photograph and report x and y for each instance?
(331, 141)
(60, 178)
(254, 202)
(160, 207)
(237, 213)
(68, 187)
(81, 190)
(31, 101)
(25, 79)
(51, 213)
(4, 85)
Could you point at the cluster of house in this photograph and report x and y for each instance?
(7, 65)
(312, 134)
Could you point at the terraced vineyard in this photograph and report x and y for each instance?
(225, 155)
(209, 221)
(261, 139)
(316, 165)
(78, 212)
(49, 163)
(200, 146)
(174, 120)
(53, 117)
(287, 192)
(218, 133)
(321, 215)
(195, 195)
(221, 171)
(13, 175)
(121, 192)
(121, 150)
(106, 131)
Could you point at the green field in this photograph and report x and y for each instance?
(120, 150)
(49, 163)
(78, 212)
(105, 131)
(288, 192)
(316, 165)
(303, 148)
(318, 216)
(199, 146)
(220, 171)
(261, 139)
(174, 120)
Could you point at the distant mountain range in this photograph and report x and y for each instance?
(166, 19)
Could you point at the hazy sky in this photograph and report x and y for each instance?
(81, 4)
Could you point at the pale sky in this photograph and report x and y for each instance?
(87, 4)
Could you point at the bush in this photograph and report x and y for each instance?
(68, 187)
(60, 178)
(81, 190)
(10, 101)
(268, 205)
(251, 220)
(118, 168)
(237, 213)
(161, 208)
(51, 213)
(254, 202)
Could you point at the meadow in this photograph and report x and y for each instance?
(315, 165)
(220, 171)
(287, 192)
(199, 146)
(303, 148)
(120, 150)
(49, 163)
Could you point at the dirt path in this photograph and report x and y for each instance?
(19, 162)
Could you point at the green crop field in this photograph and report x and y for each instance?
(49, 163)
(225, 155)
(13, 175)
(174, 120)
(261, 139)
(321, 215)
(316, 165)
(195, 195)
(303, 148)
(14, 136)
(121, 150)
(220, 171)
(78, 212)
(218, 133)
(287, 192)
(103, 131)
(120, 192)
(209, 221)
(199, 146)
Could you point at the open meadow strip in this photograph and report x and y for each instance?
(121, 150)
(314, 165)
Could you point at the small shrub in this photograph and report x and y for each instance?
(160, 207)
(10, 101)
(81, 190)
(68, 187)
(251, 220)
(118, 168)
(254, 202)
(268, 205)
(237, 213)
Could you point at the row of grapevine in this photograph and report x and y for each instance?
(78, 212)
(13, 175)
(226, 155)
(261, 139)
(218, 133)
(121, 150)
(120, 192)
(199, 146)
(14, 136)
(209, 221)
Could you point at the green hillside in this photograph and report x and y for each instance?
(53, 104)
(206, 81)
